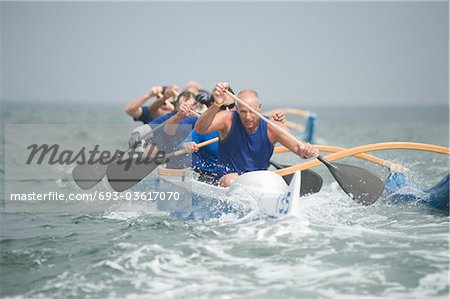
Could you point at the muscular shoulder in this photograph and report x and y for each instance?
(225, 115)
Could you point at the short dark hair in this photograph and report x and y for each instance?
(186, 94)
(204, 97)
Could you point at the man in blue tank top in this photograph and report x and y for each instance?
(246, 142)
(204, 160)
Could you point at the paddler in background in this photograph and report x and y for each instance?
(161, 106)
(193, 86)
(188, 106)
(246, 143)
(178, 103)
(177, 126)
(204, 160)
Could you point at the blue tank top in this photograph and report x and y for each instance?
(160, 119)
(243, 152)
(145, 116)
(205, 160)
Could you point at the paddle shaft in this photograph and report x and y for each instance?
(168, 104)
(276, 127)
(192, 111)
(200, 145)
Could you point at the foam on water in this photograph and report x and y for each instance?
(316, 254)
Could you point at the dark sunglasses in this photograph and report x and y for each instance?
(229, 106)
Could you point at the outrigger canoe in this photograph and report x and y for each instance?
(397, 188)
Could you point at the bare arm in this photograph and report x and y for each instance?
(168, 93)
(154, 107)
(206, 123)
(214, 119)
(134, 107)
(171, 126)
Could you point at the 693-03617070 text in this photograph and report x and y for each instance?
(97, 195)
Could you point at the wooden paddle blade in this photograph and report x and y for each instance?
(125, 174)
(87, 176)
(360, 184)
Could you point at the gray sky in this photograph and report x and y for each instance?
(307, 53)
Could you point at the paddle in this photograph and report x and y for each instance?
(311, 181)
(361, 185)
(87, 175)
(125, 174)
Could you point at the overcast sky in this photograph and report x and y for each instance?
(311, 53)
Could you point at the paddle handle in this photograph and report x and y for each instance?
(276, 127)
(168, 104)
(192, 111)
(327, 164)
(200, 145)
(195, 113)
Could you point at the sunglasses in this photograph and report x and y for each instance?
(229, 106)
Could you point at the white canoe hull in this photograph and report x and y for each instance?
(263, 191)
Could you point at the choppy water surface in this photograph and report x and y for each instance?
(333, 248)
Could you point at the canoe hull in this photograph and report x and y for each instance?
(261, 192)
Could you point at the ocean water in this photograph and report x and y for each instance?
(333, 248)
